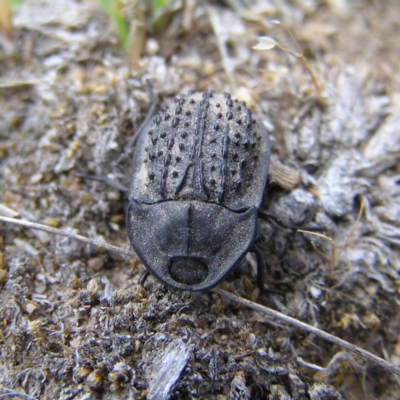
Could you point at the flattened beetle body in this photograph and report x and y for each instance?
(199, 171)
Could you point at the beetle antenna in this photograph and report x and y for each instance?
(107, 181)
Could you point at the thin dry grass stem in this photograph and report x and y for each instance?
(340, 357)
(220, 35)
(303, 61)
(308, 328)
(335, 256)
(276, 314)
(346, 241)
(321, 254)
(290, 33)
(5, 18)
(137, 36)
(16, 84)
(8, 212)
(331, 262)
(55, 231)
(12, 393)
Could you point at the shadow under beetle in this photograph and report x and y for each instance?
(200, 167)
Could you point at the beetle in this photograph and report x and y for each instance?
(199, 170)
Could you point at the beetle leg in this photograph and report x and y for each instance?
(143, 278)
(261, 267)
(271, 182)
(262, 271)
(260, 239)
(266, 216)
(131, 143)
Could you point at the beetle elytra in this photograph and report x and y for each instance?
(200, 167)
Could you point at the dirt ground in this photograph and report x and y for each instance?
(75, 324)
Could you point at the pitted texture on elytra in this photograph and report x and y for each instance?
(204, 147)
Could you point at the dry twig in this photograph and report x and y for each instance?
(308, 328)
(55, 231)
(12, 393)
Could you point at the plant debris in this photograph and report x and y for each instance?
(74, 323)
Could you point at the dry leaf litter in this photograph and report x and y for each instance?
(74, 323)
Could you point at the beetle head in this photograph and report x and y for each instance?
(188, 270)
(189, 245)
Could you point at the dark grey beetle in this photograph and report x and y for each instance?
(200, 167)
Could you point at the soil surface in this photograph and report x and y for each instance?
(75, 323)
